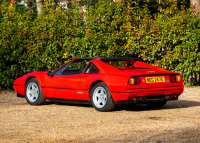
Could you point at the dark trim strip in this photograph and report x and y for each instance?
(59, 88)
(154, 87)
(61, 100)
(18, 85)
(66, 88)
(143, 91)
(83, 89)
(153, 74)
(118, 58)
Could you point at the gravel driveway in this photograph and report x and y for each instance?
(178, 121)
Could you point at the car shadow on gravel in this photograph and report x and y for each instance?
(169, 105)
(135, 107)
(75, 104)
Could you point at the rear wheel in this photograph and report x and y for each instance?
(101, 98)
(156, 104)
(33, 92)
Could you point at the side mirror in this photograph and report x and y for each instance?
(50, 73)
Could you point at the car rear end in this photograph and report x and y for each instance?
(151, 88)
(154, 87)
(144, 82)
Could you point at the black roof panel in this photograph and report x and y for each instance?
(117, 58)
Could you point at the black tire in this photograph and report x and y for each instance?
(156, 104)
(33, 92)
(106, 97)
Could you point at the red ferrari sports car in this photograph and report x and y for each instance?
(104, 82)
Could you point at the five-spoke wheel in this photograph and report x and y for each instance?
(101, 98)
(34, 94)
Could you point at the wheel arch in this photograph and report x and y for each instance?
(94, 83)
(30, 77)
(39, 78)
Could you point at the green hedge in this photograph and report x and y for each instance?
(169, 38)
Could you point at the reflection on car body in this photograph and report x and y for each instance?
(103, 82)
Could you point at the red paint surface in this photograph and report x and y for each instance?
(78, 86)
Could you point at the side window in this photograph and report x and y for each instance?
(91, 68)
(74, 67)
(59, 71)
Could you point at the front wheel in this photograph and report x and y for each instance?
(101, 98)
(33, 92)
(156, 104)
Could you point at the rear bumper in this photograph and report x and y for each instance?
(130, 95)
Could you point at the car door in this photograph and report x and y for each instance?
(63, 83)
(61, 86)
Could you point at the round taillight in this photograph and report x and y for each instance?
(134, 81)
(178, 78)
(172, 78)
(131, 81)
(137, 80)
(175, 78)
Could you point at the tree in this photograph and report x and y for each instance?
(39, 6)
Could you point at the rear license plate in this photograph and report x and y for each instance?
(155, 79)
